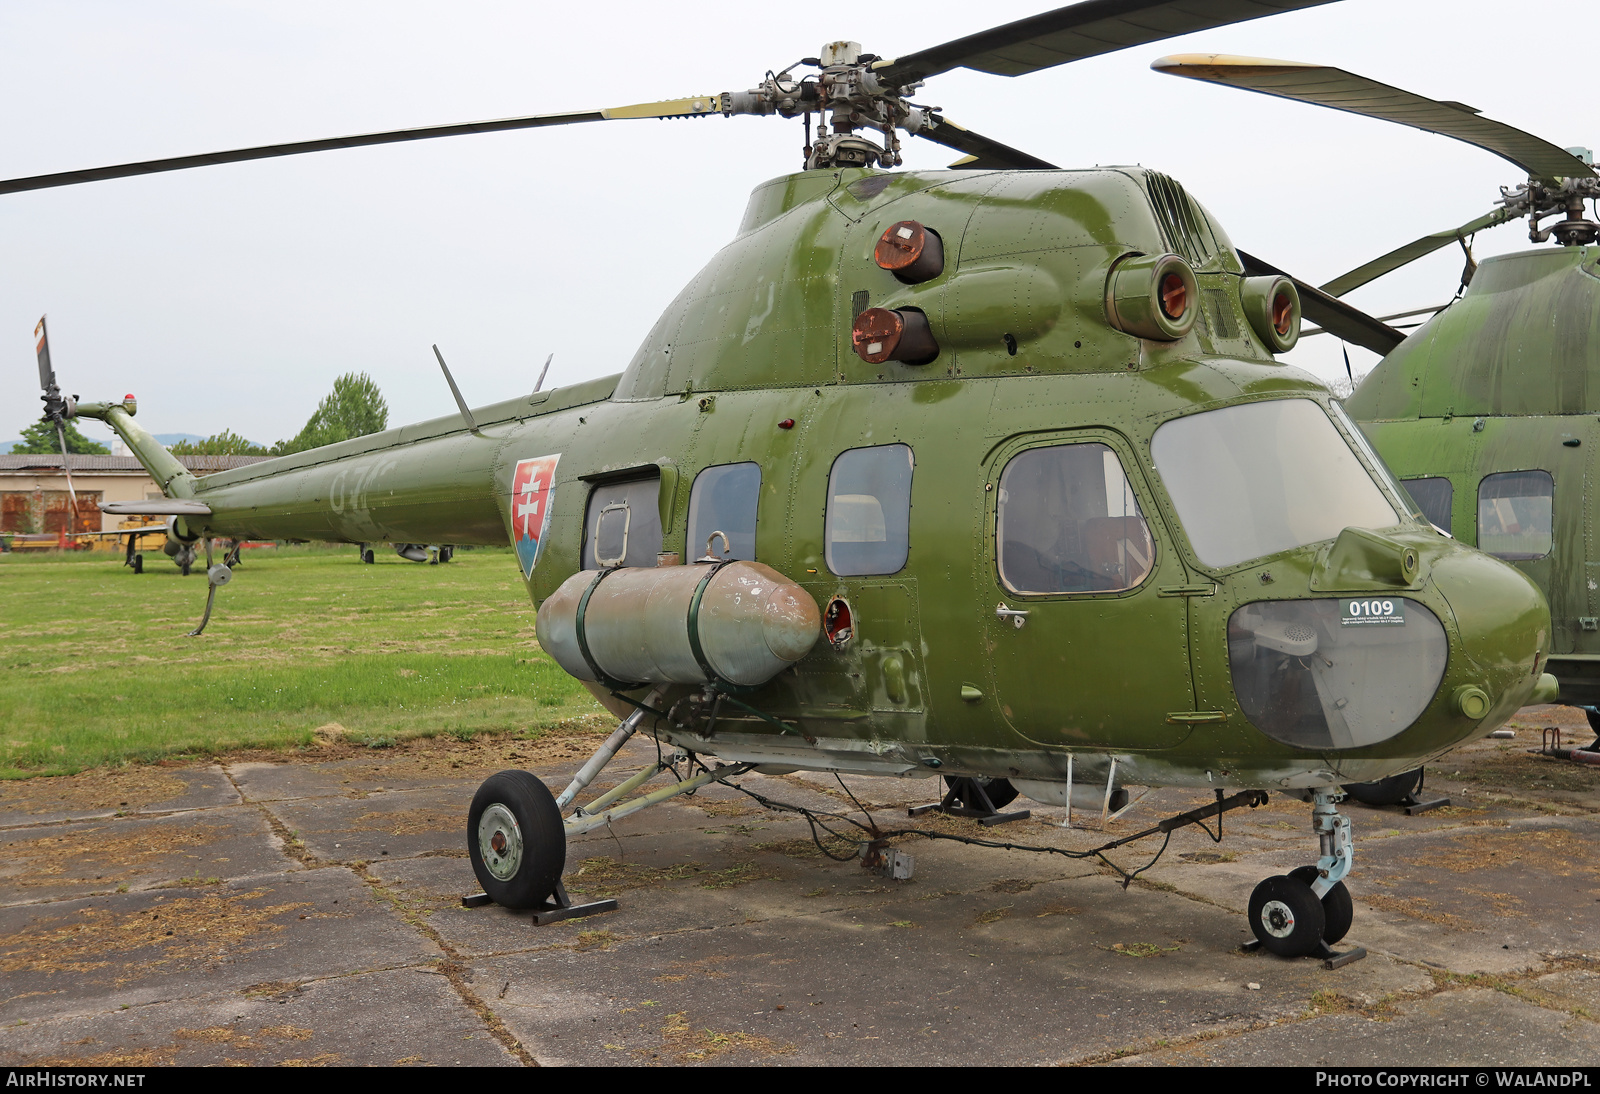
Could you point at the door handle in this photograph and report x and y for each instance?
(1019, 618)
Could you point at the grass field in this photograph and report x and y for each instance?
(98, 668)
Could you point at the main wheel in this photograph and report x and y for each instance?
(138, 564)
(367, 556)
(1338, 911)
(515, 839)
(1391, 791)
(1286, 916)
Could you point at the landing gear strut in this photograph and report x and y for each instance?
(1303, 913)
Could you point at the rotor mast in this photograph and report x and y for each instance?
(847, 95)
(1539, 198)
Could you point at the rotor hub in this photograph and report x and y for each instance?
(1538, 200)
(847, 95)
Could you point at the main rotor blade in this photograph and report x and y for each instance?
(1412, 251)
(701, 106)
(1075, 32)
(1341, 90)
(983, 153)
(1332, 314)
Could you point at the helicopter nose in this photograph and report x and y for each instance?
(1504, 625)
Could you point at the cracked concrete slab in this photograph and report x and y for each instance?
(134, 948)
(159, 788)
(405, 1017)
(738, 941)
(375, 825)
(1462, 1029)
(110, 854)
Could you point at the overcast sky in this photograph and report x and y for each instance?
(230, 297)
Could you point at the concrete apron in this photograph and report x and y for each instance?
(305, 910)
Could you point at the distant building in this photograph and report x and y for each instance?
(33, 489)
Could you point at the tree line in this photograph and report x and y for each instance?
(354, 408)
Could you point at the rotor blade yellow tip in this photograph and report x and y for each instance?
(1214, 65)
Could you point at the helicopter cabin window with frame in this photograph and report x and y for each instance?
(725, 499)
(1434, 497)
(868, 524)
(1259, 478)
(1515, 511)
(622, 525)
(1068, 522)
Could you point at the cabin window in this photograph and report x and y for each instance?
(867, 529)
(724, 499)
(1260, 478)
(622, 525)
(1433, 497)
(1514, 514)
(1068, 522)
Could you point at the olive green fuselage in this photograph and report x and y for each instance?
(753, 363)
(1505, 380)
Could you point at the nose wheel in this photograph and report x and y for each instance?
(1286, 917)
(1303, 913)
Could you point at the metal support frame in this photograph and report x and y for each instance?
(559, 907)
(1068, 822)
(1411, 804)
(583, 821)
(1331, 958)
(975, 804)
(1105, 804)
(608, 750)
(1550, 745)
(1111, 786)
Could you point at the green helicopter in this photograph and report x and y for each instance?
(987, 473)
(1490, 411)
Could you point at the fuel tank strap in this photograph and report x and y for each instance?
(600, 674)
(693, 620)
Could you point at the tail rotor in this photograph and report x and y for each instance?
(57, 408)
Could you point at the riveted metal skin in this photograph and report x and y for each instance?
(910, 251)
(930, 679)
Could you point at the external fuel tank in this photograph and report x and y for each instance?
(738, 623)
